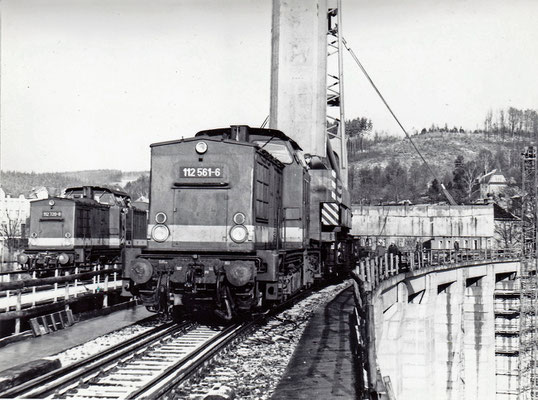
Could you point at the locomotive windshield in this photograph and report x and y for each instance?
(277, 148)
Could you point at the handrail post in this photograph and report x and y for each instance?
(55, 297)
(105, 298)
(66, 295)
(18, 307)
(94, 281)
(33, 290)
(76, 283)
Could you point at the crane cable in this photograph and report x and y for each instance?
(445, 191)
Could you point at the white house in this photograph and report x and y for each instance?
(492, 183)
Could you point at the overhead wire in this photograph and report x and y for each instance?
(445, 191)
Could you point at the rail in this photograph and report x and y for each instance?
(24, 295)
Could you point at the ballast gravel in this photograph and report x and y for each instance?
(101, 343)
(253, 368)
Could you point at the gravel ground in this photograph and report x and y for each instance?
(95, 346)
(254, 367)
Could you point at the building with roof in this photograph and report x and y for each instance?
(14, 212)
(491, 184)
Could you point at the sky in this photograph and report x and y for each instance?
(90, 84)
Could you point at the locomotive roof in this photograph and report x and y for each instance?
(252, 131)
(99, 188)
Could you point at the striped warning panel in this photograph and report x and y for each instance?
(329, 214)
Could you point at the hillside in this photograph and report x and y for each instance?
(390, 170)
(440, 149)
(17, 183)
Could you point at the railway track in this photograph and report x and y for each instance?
(147, 366)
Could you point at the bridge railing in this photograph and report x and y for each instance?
(369, 272)
(375, 269)
(24, 295)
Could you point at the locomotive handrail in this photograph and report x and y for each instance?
(60, 279)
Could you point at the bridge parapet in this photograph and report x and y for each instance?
(429, 331)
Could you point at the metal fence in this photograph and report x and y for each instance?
(25, 294)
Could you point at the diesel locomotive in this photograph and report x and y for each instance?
(239, 218)
(88, 225)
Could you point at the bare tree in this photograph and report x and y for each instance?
(485, 160)
(502, 124)
(488, 121)
(508, 234)
(471, 171)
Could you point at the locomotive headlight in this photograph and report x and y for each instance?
(140, 271)
(22, 258)
(239, 233)
(239, 274)
(239, 218)
(51, 202)
(160, 233)
(160, 218)
(63, 258)
(201, 147)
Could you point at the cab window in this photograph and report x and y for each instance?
(106, 198)
(277, 148)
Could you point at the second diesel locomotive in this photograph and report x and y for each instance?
(88, 225)
(239, 218)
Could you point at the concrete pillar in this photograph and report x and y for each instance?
(299, 72)
(448, 337)
(479, 343)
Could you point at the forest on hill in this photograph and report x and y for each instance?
(135, 183)
(387, 169)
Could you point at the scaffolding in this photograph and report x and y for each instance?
(528, 335)
(336, 128)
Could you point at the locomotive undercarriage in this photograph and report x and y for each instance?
(225, 285)
(50, 259)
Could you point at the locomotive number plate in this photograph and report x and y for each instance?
(52, 214)
(201, 172)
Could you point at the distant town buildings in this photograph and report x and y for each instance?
(13, 208)
(14, 212)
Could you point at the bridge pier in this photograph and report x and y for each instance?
(435, 331)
